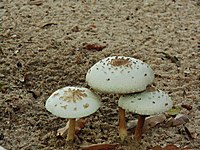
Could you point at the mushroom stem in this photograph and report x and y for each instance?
(139, 127)
(71, 130)
(122, 124)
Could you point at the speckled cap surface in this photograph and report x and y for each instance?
(119, 74)
(146, 103)
(72, 102)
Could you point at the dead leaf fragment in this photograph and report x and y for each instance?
(186, 106)
(95, 47)
(180, 119)
(102, 146)
(153, 121)
(92, 26)
(150, 122)
(80, 123)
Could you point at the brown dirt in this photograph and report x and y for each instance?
(42, 49)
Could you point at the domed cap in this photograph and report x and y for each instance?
(72, 102)
(119, 74)
(146, 103)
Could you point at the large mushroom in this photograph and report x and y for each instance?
(145, 103)
(72, 102)
(120, 75)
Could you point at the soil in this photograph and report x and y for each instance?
(46, 45)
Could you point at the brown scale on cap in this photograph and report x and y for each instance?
(85, 105)
(73, 95)
(118, 62)
(64, 107)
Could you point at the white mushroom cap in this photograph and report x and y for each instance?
(146, 103)
(72, 102)
(119, 74)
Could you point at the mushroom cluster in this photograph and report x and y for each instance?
(128, 76)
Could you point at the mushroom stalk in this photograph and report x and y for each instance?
(122, 124)
(139, 127)
(71, 130)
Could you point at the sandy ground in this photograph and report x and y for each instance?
(42, 48)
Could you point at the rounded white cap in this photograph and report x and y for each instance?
(119, 74)
(146, 103)
(72, 102)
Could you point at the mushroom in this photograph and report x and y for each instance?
(145, 103)
(120, 75)
(72, 102)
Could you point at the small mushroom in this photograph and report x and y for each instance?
(120, 75)
(145, 103)
(72, 102)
